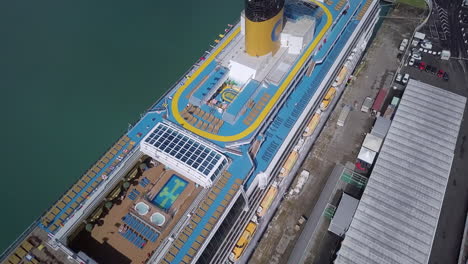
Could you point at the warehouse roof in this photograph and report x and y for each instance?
(397, 217)
(344, 215)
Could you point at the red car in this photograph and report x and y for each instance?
(422, 66)
(440, 73)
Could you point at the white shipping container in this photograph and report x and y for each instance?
(367, 104)
(343, 115)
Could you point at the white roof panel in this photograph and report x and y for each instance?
(372, 142)
(398, 213)
(367, 155)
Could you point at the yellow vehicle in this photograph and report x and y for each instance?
(312, 125)
(328, 98)
(289, 163)
(341, 76)
(243, 241)
(267, 200)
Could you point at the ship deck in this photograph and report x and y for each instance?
(331, 36)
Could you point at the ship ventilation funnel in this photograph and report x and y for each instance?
(263, 25)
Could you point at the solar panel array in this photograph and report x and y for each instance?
(186, 150)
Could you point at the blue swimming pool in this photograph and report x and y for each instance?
(169, 193)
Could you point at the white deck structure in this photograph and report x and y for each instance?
(398, 214)
(184, 153)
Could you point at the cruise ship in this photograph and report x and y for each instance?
(195, 176)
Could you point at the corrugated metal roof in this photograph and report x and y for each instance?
(344, 215)
(398, 213)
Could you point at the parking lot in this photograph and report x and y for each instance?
(448, 27)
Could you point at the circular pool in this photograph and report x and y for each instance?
(142, 208)
(158, 219)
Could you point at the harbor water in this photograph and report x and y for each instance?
(74, 74)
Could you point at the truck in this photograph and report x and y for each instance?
(403, 44)
(312, 125)
(267, 201)
(289, 163)
(243, 241)
(367, 104)
(343, 115)
(328, 98)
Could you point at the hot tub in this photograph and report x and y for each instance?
(158, 219)
(141, 208)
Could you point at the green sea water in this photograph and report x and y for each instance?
(73, 74)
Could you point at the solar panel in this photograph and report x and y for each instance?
(188, 150)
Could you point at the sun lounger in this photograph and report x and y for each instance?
(196, 245)
(14, 259)
(196, 218)
(192, 252)
(173, 250)
(71, 194)
(204, 233)
(216, 214)
(55, 211)
(169, 258)
(81, 184)
(63, 216)
(200, 239)
(73, 206)
(183, 237)
(205, 207)
(20, 252)
(187, 259)
(66, 199)
(26, 245)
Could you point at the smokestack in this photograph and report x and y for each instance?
(263, 25)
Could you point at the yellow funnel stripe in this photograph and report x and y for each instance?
(254, 125)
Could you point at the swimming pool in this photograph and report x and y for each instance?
(169, 193)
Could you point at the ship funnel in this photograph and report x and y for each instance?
(263, 25)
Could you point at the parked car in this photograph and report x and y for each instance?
(428, 68)
(426, 44)
(405, 78)
(416, 56)
(440, 73)
(403, 44)
(398, 77)
(446, 76)
(411, 61)
(434, 70)
(422, 66)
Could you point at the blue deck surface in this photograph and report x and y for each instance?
(243, 97)
(241, 166)
(287, 116)
(213, 78)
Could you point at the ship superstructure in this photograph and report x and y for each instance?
(185, 181)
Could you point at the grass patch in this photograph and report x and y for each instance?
(415, 3)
